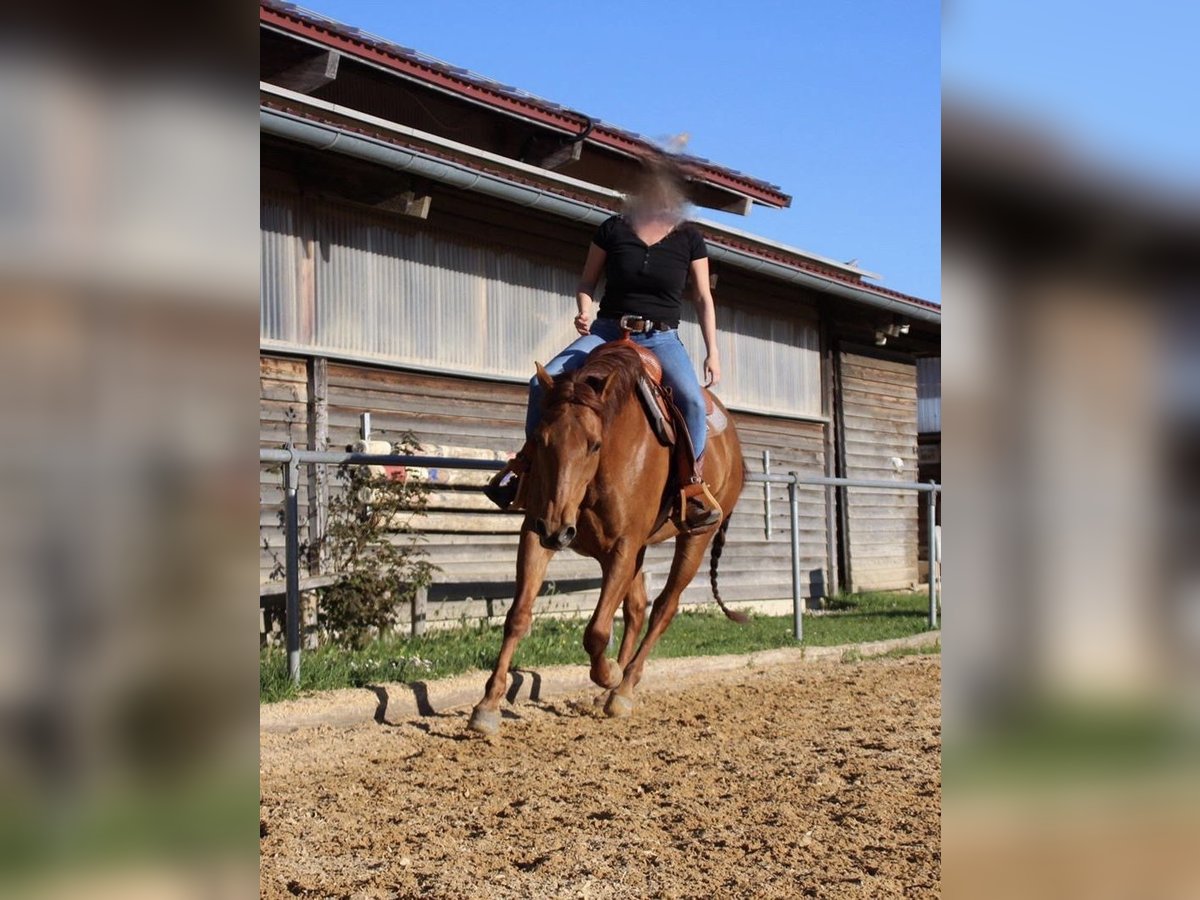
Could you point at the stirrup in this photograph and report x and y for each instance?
(698, 508)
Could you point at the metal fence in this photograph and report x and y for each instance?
(292, 458)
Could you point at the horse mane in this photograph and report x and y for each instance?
(602, 384)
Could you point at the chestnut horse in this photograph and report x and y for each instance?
(597, 482)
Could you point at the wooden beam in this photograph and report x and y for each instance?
(711, 197)
(279, 588)
(408, 203)
(562, 157)
(313, 73)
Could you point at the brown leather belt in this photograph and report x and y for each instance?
(638, 324)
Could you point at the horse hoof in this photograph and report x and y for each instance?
(618, 707)
(602, 698)
(610, 677)
(485, 721)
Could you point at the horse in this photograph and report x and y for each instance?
(598, 480)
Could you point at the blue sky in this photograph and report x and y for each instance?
(838, 103)
(1117, 82)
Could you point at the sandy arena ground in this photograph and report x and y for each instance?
(803, 780)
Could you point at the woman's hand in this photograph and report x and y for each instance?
(583, 323)
(712, 371)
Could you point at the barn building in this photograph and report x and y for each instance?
(422, 232)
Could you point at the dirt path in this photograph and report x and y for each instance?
(808, 779)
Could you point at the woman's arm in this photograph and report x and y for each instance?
(587, 286)
(706, 312)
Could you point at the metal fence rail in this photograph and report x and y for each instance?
(292, 458)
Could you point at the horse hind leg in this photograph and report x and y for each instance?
(689, 553)
(532, 560)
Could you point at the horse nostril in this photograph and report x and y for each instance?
(568, 534)
(539, 528)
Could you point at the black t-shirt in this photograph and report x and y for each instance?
(646, 281)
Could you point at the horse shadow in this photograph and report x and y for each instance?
(525, 686)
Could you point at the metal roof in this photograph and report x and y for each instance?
(414, 64)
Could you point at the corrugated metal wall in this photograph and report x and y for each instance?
(879, 400)
(279, 272)
(405, 296)
(773, 363)
(381, 289)
(929, 395)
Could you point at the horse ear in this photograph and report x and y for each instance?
(543, 376)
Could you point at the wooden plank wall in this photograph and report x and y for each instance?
(283, 416)
(473, 543)
(879, 409)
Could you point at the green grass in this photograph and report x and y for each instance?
(1040, 743)
(854, 619)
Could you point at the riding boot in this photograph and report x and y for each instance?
(505, 487)
(698, 507)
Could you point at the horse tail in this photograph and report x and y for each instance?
(717, 547)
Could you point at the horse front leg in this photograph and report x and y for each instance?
(689, 553)
(619, 570)
(532, 559)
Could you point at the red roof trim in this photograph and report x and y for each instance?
(296, 23)
(831, 274)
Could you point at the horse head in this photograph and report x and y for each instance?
(578, 409)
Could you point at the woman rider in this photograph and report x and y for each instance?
(647, 255)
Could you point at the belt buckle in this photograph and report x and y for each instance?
(640, 328)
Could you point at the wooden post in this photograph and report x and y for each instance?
(318, 475)
(308, 619)
(842, 493)
(829, 408)
(306, 280)
(767, 495)
(420, 603)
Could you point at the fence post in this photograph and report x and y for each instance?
(931, 528)
(420, 602)
(291, 527)
(797, 600)
(767, 494)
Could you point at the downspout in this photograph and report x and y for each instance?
(327, 137)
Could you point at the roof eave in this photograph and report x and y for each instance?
(567, 121)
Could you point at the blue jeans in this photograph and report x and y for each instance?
(678, 375)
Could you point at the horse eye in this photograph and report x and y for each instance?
(594, 447)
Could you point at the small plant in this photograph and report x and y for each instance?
(370, 542)
(371, 545)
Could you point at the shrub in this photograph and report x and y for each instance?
(371, 544)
